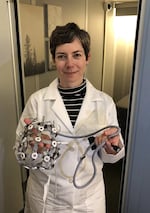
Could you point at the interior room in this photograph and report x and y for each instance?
(112, 27)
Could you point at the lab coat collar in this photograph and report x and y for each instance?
(58, 107)
(52, 92)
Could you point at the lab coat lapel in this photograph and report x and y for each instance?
(87, 108)
(60, 110)
(58, 106)
(86, 111)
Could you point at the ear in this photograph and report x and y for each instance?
(53, 63)
(88, 59)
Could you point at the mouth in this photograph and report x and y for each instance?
(70, 72)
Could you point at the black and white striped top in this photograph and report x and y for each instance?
(73, 98)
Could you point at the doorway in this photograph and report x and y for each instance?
(120, 31)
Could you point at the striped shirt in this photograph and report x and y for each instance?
(73, 98)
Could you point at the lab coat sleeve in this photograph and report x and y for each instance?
(110, 158)
(30, 111)
(112, 120)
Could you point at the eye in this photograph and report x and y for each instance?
(77, 55)
(61, 57)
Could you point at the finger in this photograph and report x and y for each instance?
(110, 132)
(115, 140)
(34, 133)
(100, 139)
(97, 140)
(45, 137)
(109, 149)
(27, 121)
(41, 145)
(32, 143)
(48, 146)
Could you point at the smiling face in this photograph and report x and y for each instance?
(70, 61)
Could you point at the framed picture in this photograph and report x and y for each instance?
(32, 35)
(37, 24)
(53, 18)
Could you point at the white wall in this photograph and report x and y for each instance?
(11, 199)
(96, 31)
(10, 181)
(88, 14)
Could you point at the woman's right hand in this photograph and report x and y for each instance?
(44, 143)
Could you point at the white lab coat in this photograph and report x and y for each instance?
(53, 191)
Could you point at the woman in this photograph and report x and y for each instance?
(78, 108)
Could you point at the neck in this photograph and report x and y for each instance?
(70, 85)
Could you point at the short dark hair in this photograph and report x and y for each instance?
(67, 34)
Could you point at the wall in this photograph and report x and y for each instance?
(10, 180)
(88, 14)
(96, 30)
(119, 50)
(11, 198)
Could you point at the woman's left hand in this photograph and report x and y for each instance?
(112, 144)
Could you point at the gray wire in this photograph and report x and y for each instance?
(93, 163)
(54, 131)
(91, 134)
(93, 155)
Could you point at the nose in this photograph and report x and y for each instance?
(69, 61)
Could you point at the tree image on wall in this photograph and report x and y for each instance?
(31, 65)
